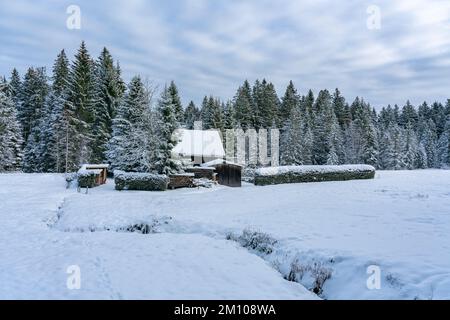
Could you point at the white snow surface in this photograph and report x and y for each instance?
(35, 255)
(270, 171)
(399, 221)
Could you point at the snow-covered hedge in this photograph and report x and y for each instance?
(86, 179)
(295, 174)
(140, 181)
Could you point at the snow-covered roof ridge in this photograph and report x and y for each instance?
(84, 172)
(218, 161)
(92, 168)
(88, 166)
(199, 143)
(313, 168)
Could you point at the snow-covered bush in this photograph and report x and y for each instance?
(248, 174)
(295, 174)
(254, 240)
(140, 181)
(204, 183)
(86, 179)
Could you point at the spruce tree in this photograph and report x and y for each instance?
(132, 145)
(323, 121)
(35, 92)
(167, 115)
(191, 115)
(444, 145)
(289, 101)
(15, 85)
(341, 109)
(10, 132)
(411, 152)
(175, 100)
(243, 106)
(267, 106)
(429, 142)
(55, 113)
(229, 121)
(408, 116)
(81, 102)
(108, 93)
(291, 144)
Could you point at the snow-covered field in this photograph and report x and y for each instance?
(399, 222)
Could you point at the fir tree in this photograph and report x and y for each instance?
(411, 152)
(167, 115)
(81, 101)
(229, 116)
(54, 135)
(132, 145)
(191, 115)
(108, 93)
(341, 109)
(429, 143)
(291, 148)
(289, 101)
(175, 100)
(408, 116)
(243, 106)
(444, 145)
(267, 106)
(15, 85)
(35, 90)
(10, 132)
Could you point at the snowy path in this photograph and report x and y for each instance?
(34, 257)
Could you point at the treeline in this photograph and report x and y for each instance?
(86, 113)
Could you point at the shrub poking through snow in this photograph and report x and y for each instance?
(140, 181)
(143, 228)
(296, 174)
(254, 240)
(312, 275)
(150, 225)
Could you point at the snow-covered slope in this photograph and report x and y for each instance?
(399, 221)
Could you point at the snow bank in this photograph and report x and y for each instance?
(140, 181)
(295, 174)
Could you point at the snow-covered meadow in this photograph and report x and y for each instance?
(399, 222)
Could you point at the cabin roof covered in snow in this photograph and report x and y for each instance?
(218, 162)
(206, 143)
(88, 166)
(89, 171)
(92, 168)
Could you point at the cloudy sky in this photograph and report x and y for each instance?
(210, 47)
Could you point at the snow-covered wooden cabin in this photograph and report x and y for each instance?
(199, 146)
(100, 172)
